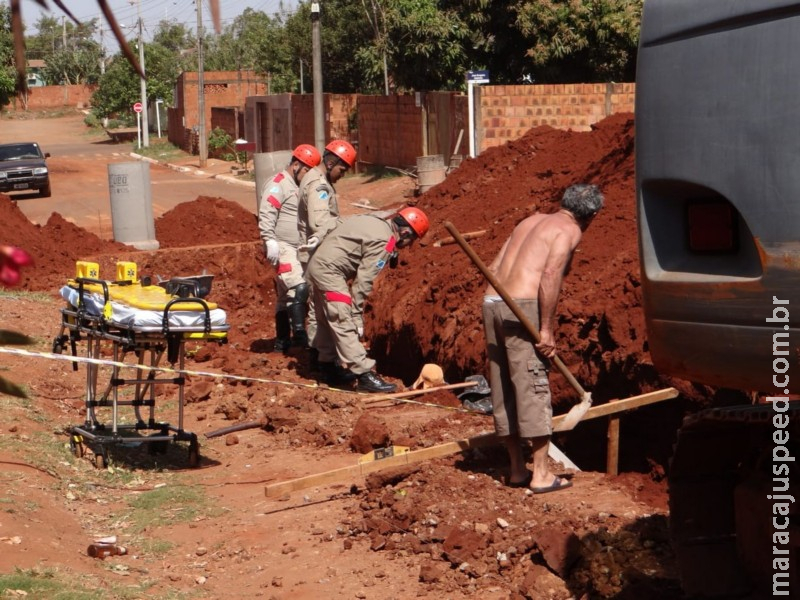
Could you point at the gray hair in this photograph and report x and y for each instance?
(583, 200)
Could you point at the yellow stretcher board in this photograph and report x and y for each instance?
(150, 297)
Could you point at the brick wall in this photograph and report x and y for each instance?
(55, 96)
(506, 112)
(221, 88)
(389, 130)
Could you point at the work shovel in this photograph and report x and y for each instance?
(575, 413)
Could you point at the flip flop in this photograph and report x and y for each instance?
(558, 484)
(521, 484)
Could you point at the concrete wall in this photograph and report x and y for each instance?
(54, 96)
(506, 112)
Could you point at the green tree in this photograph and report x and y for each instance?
(581, 40)
(254, 41)
(7, 73)
(119, 88)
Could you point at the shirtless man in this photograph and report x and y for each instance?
(531, 267)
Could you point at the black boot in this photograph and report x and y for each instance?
(313, 360)
(372, 382)
(297, 315)
(335, 375)
(282, 332)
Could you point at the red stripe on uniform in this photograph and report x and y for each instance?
(284, 268)
(391, 244)
(278, 178)
(274, 201)
(338, 297)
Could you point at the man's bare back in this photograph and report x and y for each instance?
(532, 263)
(537, 243)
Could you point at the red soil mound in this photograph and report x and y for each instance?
(206, 221)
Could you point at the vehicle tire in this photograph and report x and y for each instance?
(45, 192)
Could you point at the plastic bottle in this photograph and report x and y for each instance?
(103, 550)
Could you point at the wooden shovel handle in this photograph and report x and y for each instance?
(512, 305)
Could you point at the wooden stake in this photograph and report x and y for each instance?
(451, 240)
(612, 449)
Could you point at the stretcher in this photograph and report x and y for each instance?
(140, 324)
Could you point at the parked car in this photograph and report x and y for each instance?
(23, 168)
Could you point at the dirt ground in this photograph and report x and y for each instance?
(442, 528)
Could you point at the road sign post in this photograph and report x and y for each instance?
(137, 108)
(473, 78)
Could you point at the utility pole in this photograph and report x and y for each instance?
(143, 83)
(102, 47)
(201, 100)
(316, 55)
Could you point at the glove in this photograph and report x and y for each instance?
(360, 331)
(273, 252)
(359, 326)
(310, 244)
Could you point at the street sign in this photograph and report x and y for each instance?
(137, 107)
(478, 76)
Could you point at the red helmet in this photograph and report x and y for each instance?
(307, 154)
(343, 150)
(416, 219)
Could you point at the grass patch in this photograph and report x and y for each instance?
(51, 584)
(44, 584)
(23, 295)
(169, 505)
(156, 548)
(160, 150)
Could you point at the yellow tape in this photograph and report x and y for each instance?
(112, 363)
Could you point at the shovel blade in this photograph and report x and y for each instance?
(575, 414)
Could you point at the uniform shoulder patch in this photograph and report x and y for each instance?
(278, 178)
(323, 192)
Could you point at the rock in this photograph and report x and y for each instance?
(381, 479)
(559, 548)
(231, 439)
(541, 583)
(198, 391)
(431, 572)
(369, 433)
(462, 544)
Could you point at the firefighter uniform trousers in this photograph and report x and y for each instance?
(317, 214)
(356, 250)
(277, 220)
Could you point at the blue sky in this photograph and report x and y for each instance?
(152, 11)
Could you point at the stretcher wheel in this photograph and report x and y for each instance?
(76, 446)
(194, 454)
(58, 347)
(100, 460)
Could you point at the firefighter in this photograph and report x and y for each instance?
(318, 211)
(277, 222)
(355, 251)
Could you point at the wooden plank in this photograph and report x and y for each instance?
(616, 406)
(488, 439)
(409, 393)
(336, 475)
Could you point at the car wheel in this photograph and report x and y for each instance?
(45, 192)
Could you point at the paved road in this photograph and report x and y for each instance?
(79, 175)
